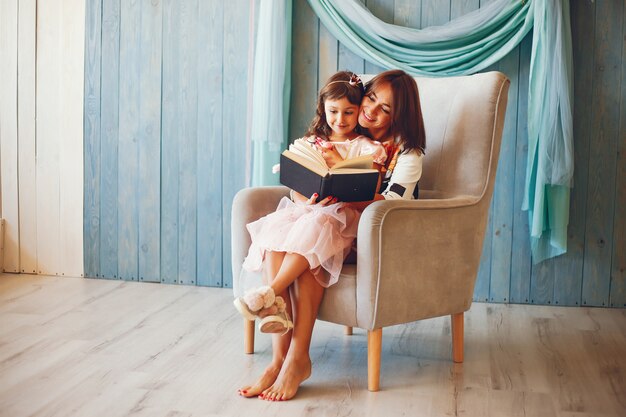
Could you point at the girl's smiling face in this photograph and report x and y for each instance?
(375, 114)
(341, 116)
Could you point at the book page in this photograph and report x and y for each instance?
(362, 162)
(341, 171)
(306, 162)
(303, 148)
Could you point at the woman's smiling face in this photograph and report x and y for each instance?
(375, 114)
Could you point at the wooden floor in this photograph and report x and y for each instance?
(82, 347)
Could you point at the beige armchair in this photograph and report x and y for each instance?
(416, 259)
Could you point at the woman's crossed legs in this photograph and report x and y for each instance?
(291, 363)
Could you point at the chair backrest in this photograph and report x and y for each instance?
(460, 127)
(461, 118)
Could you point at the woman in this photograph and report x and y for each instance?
(391, 114)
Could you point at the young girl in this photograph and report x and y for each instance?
(310, 236)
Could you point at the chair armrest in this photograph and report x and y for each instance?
(249, 204)
(426, 250)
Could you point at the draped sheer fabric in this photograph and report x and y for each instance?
(550, 169)
(465, 45)
(271, 88)
(471, 43)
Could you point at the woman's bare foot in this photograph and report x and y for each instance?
(265, 381)
(295, 371)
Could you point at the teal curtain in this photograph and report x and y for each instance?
(550, 168)
(465, 45)
(472, 43)
(271, 88)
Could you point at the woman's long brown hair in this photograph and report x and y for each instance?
(407, 123)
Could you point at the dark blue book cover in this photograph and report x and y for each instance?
(353, 185)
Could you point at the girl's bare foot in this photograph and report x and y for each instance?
(294, 371)
(265, 381)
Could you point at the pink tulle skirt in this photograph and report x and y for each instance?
(322, 234)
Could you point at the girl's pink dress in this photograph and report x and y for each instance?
(322, 234)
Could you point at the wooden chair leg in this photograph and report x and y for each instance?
(248, 336)
(348, 330)
(374, 347)
(457, 337)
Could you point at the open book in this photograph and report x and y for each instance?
(303, 169)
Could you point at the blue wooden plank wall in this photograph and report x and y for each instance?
(165, 136)
(593, 272)
(165, 130)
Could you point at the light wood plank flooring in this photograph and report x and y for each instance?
(82, 347)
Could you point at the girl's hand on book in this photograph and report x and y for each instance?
(331, 156)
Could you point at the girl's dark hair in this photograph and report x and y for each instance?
(407, 123)
(342, 84)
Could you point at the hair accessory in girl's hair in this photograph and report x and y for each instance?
(355, 80)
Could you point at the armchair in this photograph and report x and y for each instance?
(416, 259)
